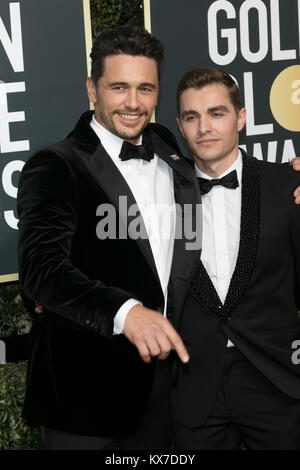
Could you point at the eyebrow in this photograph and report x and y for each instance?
(111, 84)
(148, 84)
(189, 112)
(192, 112)
(218, 108)
(144, 84)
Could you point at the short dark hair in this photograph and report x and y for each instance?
(125, 39)
(202, 76)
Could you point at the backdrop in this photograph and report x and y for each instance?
(43, 69)
(257, 42)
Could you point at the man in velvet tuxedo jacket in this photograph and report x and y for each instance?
(235, 303)
(89, 386)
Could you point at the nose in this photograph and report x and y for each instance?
(204, 125)
(132, 100)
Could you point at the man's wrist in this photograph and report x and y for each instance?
(121, 315)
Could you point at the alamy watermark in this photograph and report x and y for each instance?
(296, 354)
(126, 221)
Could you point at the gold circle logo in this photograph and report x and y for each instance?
(285, 98)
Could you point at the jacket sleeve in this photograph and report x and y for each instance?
(296, 242)
(47, 206)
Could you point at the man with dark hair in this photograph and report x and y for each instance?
(199, 78)
(237, 312)
(131, 40)
(89, 386)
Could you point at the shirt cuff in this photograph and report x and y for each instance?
(121, 315)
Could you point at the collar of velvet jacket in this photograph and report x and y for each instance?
(86, 138)
(164, 144)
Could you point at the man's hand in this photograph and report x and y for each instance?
(39, 309)
(296, 166)
(297, 195)
(152, 334)
(295, 163)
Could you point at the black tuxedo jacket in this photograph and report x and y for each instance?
(81, 378)
(260, 312)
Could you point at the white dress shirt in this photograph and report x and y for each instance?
(151, 184)
(221, 230)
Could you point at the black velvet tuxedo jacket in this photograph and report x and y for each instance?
(260, 312)
(81, 378)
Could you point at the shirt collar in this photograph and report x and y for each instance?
(111, 142)
(237, 165)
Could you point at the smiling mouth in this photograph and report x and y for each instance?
(130, 117)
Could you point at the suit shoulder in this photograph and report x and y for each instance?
(283, 169)
(282, 174)
(279, 175)
(59, 152)
(48, 161)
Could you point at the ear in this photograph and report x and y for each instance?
(241, 119)
(91, 90)
(180, 127)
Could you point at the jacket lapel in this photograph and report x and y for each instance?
(188, 206)
(250, 224)
(110, 180)
(188, 233)
(250, 216)
(174, 159)
(114, 185)
(187, 244)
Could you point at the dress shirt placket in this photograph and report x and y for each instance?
(221, 243)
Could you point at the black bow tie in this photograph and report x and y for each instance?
(129, 151)
(229, 181)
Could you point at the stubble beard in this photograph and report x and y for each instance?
(108, 122)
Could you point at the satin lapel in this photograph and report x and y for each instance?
(187, 247)
(114, 185)
(173, 159)
(188, 207)
(188, 200)
(250, 222)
